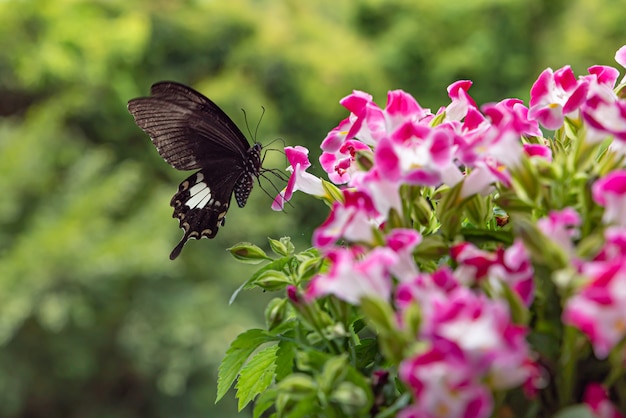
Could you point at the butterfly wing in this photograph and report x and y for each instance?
(188, 130)
(201, 204)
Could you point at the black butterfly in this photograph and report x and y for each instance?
(191, 132)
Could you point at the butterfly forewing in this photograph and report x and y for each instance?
(191, 132)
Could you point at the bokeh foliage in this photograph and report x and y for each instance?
(94, 318)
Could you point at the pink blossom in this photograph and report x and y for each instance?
(614, 245)
(511, 266)
(598, 307)
(512, 115)
(340, 164)
(556, 95)
(461, 100)
(562, 227)
(299, 179)
(605, 114)
(426, 287)
(620, 56)
(401, 107)
(415, 154)
(352, 220)
(444, 384)
(610, 192)
(350, 278)
(597, 400)
(402, 242)
(538, 150)
(483, 330)
(368, 119)
(383, 192)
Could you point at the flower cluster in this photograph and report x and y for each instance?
(481, 253)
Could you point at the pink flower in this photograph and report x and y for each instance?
(610, 192)
(444, 384)
(597, 400)
(605, 114)
(402, 107)
(402, 242)
(598, 308)
(556, 95)
(538, 150)
(352, 220)
(415, 154)
(461, 100)
(562, 227)
(383, 192)
(350, 278)
(483, 330)
(299, 179)
(511, 266)
(340, 164)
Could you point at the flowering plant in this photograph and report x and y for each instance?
(470, 266)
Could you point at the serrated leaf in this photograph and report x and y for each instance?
(256, 376)
(284, 359)
(236, 356)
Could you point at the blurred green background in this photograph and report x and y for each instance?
(95, 321)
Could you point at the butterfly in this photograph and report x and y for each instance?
(191, 132)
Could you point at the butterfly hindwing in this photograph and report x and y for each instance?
(200, 207)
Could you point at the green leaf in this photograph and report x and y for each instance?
(285, 359)
(264, 402)
(248, 253)
(236, 356)
(256, 376)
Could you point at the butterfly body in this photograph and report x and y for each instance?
(191, 132)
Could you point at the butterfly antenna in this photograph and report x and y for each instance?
(256, 130)
(245, 118)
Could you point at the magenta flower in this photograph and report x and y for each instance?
(299, 179)
(352, 220)
(610, 192)
(383, 192)
(402, 242)
(401, 107)
(511, 266)
(605, 114)
(415, 154)
(368, 119)
(598, 308)
(461, 100)
(340, 164)
(350, 278)
(562, 227)
(444, 384)
(538, 150)
(483, 330)
(556, 95)
(597, 400)
(424, 288)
